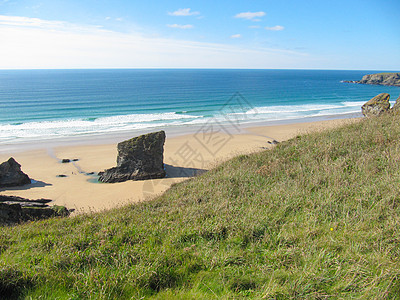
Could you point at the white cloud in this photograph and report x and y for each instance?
(184, 12)
(25, 22)
(250, 15)
(34, 43)
(236, 36)
(30, 22)
(275, 28)
(187, 26)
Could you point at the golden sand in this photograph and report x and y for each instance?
(184, 156)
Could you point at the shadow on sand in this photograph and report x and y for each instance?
(180, 172)
(34, 184)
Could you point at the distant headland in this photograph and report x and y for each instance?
(392, 79)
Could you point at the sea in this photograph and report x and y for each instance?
(41, 105)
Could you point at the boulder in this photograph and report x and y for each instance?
(11, 174)
(138, 158)
(376, 105)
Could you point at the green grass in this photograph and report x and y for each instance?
(387, 74)
(318, 217)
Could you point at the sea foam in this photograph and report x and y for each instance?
(73, 127)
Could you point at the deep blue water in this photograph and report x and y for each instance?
(42, 104)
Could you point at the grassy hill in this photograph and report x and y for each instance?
(317, 217)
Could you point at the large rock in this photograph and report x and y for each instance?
(376, 106)
(138, 158)
(11, 174)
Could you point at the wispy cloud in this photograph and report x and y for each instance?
(184, 12)
(21, 22)
(275, 28)
(236, 36)
(30, 22)
(254, 26)
(187, 26)
(114, 19)
(34, 43)
(251, 15)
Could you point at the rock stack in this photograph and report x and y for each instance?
(11, 174)
(138, 158)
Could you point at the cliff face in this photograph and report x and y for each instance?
(380, 79)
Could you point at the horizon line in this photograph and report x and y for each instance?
(193, 68)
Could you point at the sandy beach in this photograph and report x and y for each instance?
(184, 156)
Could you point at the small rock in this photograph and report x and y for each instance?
(273, 142)
(61, 176)
(376, 106)
(11, 174)
(65, 160)
(75, 159)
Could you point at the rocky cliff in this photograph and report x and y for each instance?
(380, 79)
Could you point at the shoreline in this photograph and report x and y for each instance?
(171, 131)
(185, 155)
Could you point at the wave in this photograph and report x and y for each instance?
(37, 130)
(73, 127)
(302, 108)
(287, 112)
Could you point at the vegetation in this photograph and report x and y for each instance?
(317, 217)
(387, 73)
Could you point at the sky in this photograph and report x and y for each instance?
(256, 34)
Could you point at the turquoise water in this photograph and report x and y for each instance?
(45, 104)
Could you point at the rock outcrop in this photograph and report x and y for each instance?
(138, 158)
(15, 210)
(392, 79)
(396, 107)
(11, 174)
(377, 105)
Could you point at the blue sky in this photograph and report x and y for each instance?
(286, 34)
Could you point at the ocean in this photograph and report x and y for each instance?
(37, 105)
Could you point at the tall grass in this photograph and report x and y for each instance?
(317, 217)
